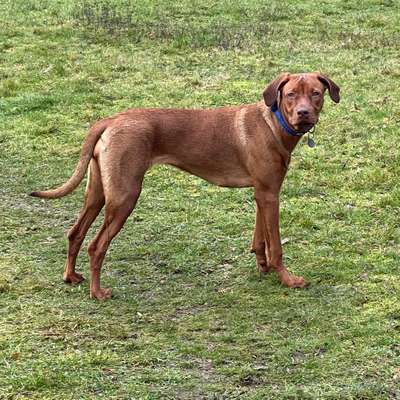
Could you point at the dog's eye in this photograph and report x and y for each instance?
(316, 93)
(291, 94)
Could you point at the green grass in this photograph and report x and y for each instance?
(190, 317)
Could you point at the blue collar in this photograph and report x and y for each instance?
(283, 123)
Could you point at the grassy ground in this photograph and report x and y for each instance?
(190, 317)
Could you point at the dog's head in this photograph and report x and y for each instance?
(300, 97)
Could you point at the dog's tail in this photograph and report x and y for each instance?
(86, 154)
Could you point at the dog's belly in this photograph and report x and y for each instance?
(233, 180)
(220, 174)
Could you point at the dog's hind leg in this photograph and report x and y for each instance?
(117, 210)
(94, 202)
(122, 164)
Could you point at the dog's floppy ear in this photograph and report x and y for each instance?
(271, 91)
(332, 87)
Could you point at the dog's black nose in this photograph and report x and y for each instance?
(303, 112)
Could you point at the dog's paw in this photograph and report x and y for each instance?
(294, 281)
(298, 282)
(262, 265)
(289, 280)
(101, 294)
(263, 268)
(73, 278)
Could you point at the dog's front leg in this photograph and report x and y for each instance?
(268, 205)
(259, 244)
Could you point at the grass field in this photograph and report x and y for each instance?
(190, 317)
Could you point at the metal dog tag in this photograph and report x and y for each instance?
(311, 142)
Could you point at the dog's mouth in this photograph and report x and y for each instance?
(304, 127)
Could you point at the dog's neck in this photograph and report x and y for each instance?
(286, 142)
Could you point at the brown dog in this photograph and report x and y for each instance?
(244, 146)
